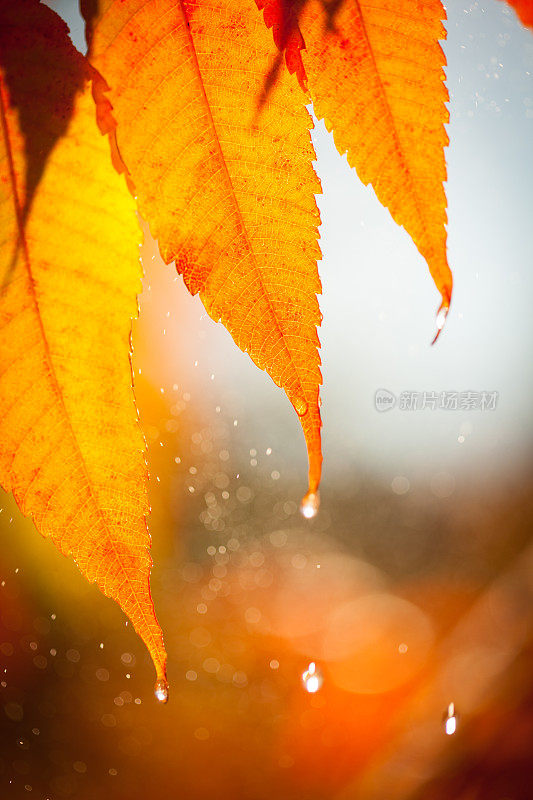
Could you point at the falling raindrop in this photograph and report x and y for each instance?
(161, 690)
(309, 505)
(450, 720)
(312, 678)
(300, 405)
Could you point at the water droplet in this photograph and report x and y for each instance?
(310, 505)
(450, 720)
(300, 405)
(312, 678)
(161, 690)
(442, 313)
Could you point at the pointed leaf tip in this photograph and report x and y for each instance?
(253, 257)
(375, 74)
(71, 448)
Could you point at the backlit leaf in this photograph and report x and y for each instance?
(227, 188)
(71, 450)
(375, 74)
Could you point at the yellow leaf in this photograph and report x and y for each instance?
(227, 189)
(71, 448)
(375, 74)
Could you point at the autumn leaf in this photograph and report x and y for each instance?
(375, 74)
(212, 136)
(227, 191)
(71, 448)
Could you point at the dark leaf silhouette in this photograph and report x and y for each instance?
(58, 72)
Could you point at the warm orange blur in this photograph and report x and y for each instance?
(395, 605)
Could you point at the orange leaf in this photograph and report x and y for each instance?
(71, 448)
(375, 74)
(228, 189)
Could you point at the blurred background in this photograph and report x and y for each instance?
(383, 650)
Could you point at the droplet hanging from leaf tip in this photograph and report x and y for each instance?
(312, 678)
(300, 405)
(450, 720)
(442, 313)
(161, 690)
(310, 505)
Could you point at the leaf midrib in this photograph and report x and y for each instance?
(232, 190)
(399, 146)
